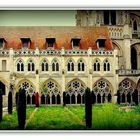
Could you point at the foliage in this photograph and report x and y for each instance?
(10, 103)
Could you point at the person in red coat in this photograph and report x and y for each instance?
(37, 99)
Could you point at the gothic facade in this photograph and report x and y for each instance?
(102, 52)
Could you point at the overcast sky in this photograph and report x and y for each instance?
(37, 18)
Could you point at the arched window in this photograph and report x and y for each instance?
(135, 25)
(55, 65)
(106, 65)
(133, 58)
(44, 66)
(96, 65)
(31, 65)
(20, 65)
(70, 65)
(81, 65)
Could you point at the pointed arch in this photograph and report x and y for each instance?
(27, 85)
(126, 90)
(20, 65)
(55, 64)
(44, 65)
(96, 64)
(106, 65)
(134, 58)
(31, 64)
(50, 87)
(70, 64)
(81, 64)
(2, 87)
(103, 87)
(118, 47)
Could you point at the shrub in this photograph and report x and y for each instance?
(10, 103)
(88, 108)
(21, 108)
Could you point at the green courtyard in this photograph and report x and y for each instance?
(72, 117)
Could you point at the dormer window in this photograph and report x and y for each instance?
(101, 43)
(75, 42)
(50, 42)
(25, 42)
(2, 42)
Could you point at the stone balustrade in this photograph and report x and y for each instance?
(124, 72)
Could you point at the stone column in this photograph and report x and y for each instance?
(63, 73)
(127, 46)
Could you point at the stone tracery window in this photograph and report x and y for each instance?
(27, 86)
(20, 65)
(102, 90)
(31, 65)
(81, 65)
(44, 65)
(70, 65)
(106, 65)
(51, 89)
(55, 65)
(75, 92)
(96, 65)
(126, 90)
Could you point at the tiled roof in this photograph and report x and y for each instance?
(63, 36)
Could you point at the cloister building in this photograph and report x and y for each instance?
(101, 52)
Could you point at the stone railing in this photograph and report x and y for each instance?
(24, 52)
(50, 52)
(135, 34)
(55, 52)
(115, 32)
(4, 52)
(102, 52)
(129, 72)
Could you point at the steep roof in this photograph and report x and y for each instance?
(63, 36)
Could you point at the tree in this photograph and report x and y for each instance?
(1, 105)
(88, 108)
(21, 108)
(64, 98)
(37, 99)
(10, 102)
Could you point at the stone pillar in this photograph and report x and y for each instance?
(116, 81)
(127, 46)
(89, 69)
(63, 73)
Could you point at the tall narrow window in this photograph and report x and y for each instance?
(96, 65)
(3, 65)
(110, 17)
(55, 65)
(81, 66)
(44, 66)
(133, 58)
(113, 17)
(70, 65)
(106, 17)
(135, 25)
(106, 65)
(20, 65)
(31, 65)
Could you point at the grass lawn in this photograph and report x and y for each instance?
(72, 117)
